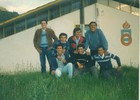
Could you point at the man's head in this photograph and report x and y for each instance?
(59, 48)
(80, 48)
(77, 32)
(44, 24)
(63, 37)
(100, 50)
(93, 26)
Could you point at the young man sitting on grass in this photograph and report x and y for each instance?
(83, 62)
(104, 61)
(62, 63)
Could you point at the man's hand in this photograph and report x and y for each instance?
(80, 66)
(53, 72)
(105, 52)
(63, 60)
(87, 52)
(59, 58)
(119, 68)
(39, 51)
(75, 51)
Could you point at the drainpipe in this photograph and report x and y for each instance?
(82, 17)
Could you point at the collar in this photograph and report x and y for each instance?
(102, 56)
(77, 39)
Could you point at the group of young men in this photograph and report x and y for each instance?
(71, 56)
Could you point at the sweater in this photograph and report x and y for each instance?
(95, 39)
(105, 62)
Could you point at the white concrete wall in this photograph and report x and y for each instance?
(17, 51)
(111, 21)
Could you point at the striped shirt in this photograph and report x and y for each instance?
(105, 60)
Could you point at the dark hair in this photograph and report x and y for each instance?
(44, 20)
(92, 22)
(59, 45)
(62, 34)
(81, 45)
(75, 30)
(100, 46)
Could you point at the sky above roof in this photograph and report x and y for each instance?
(22, 6)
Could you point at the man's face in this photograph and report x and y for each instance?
(59, 50)
(93, 27)
(80, 50)
(63, 38)
(100, 51)
(78, 34)
(43, 24)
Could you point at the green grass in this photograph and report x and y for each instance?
(35, 86)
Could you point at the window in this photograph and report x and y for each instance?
(89, 2)
(54, 12)
(20, 25)
(76, 5)
(9, 30)
(65, 8)
(1, 32)
(31, 21)
(43, 15)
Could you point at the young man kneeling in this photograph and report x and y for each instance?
(83, 62)
(106, 68)
(62, 62)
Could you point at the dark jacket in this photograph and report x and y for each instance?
(83, 59)
(72, 43)
(50, 37)
(65, 45)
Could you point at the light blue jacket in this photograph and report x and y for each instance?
(95, 39)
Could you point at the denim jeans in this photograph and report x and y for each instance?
(108, 74)
(45, 53)
(93, 52)
(92, 70)
(66, 69)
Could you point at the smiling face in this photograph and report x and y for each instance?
(100, 51)
(59, 50)
(43, 24)
(78, 34)
(93, 27)
(63, 38)
(80, 50)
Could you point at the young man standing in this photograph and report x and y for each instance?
(62, 62)
(104, 61)
(43, 40)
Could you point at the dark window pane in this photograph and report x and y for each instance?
(9, 30)
(65, 8)
(20, 26)
(89, 2)
(43, 15)
(31, 21)
(1, 32)
(76, 5)
(54, 12)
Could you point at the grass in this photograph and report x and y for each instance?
(35, 86)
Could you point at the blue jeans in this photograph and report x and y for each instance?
(45, 53)
(68, 68)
